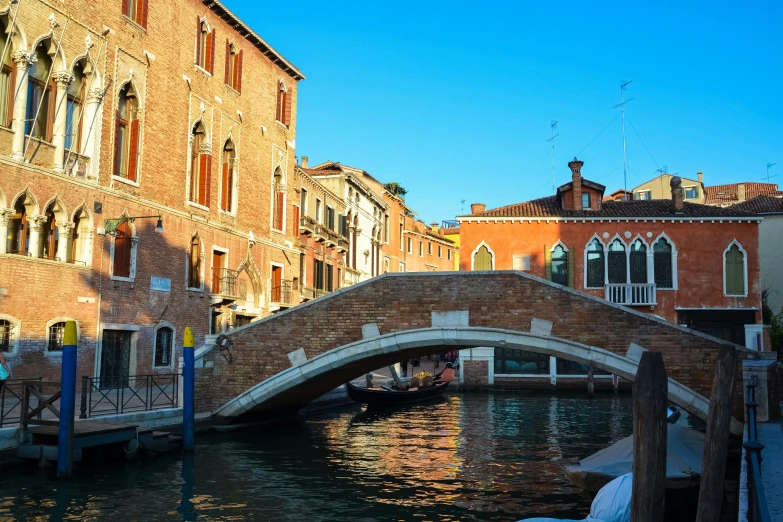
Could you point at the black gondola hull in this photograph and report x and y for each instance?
(390, 398)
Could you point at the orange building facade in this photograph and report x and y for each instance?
(691, 264)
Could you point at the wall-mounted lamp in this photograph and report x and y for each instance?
(110, 225)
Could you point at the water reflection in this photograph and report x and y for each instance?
(470, 457)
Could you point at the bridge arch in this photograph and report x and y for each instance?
(296, 386)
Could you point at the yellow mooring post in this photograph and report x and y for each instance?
(67, 401)
(188, 392)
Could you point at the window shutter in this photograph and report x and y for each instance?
(224, 188)
(279, 210)
(287, 114)
(117, 145)
(202, 179)
(239, 73)
(295, 213)
(212, 52)
(571, 268)
(125, 7)
(52, 106)
(228, 64)
(548, 263)
(144, 12)
(230, 190)
(277, 104)
(133, 154)
(207, 197)
(122, 251)
(198, 40)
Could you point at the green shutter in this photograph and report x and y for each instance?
(735, 271)
(571, 270)
(548, 262)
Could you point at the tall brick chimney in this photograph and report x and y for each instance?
(676, 185)
(740, 191)
(477, 208)
(701, 177)
(304, 162)
(576, 178)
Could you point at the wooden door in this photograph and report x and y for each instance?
(277, 279)
(217, 265)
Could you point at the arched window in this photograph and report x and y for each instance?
(136, 10)
(50, 237)
(663, 264)
(482, 259)
(194, 264)
(39, 117)
(560, 265)
(164, 347)
(638, 262)
(127, 134)
(80, 247)
(7, 77)
(283, 112)
(9, 334)
(123, 251)
(233, 66)
(205, 45)
(278, 201)
(227, 180)
(18, 240)
(200, 166)
(734, 270)
(54, 337)
(595, 265)
(617, 263)
(75, 102)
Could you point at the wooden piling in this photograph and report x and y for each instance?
(716, 443)
(590, 380)
(650, 391)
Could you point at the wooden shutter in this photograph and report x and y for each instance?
(52, 237)
(122, 251)
(144, 12)
(571, 262)
(224, 188)
(133, 154)
(207, 196)
(217, 262)
(228, 62)
(238, 72)
(295, 213)
(548, 262)
(212, 52)
(52, 90)
(278, 116)
(202, 179)
(198, 40)
(230, 199)
(279, 210)
(117, 145)
(287, 114)
(10, 101)
(125, 7)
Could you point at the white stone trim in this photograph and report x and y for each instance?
(629, 219)
(675, 279)
(594, 237)
(13, 346)
(164, 324)
(133, 328)
(744, 266)
(134, 248)
(473, 255)
(52, 321)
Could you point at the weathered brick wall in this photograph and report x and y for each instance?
(500, 300)
(475, 373)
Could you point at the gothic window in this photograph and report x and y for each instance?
(227, 178)
(123, 252)
(194, 264)
(205, 46)
(595, 264)
(200, 166)
(50, 236)
(663, 264)
(638, 262)
(73, 110)
(560, 265)
(39, 112)
(164, 347)
(233, 67)
(283, 111)
(617, 263)
(734, 268)
(482, 259)
(127, 133)
(7, 76)
(278, 201)
(18, 240)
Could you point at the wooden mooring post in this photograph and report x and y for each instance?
(716, 443)
(650, 391)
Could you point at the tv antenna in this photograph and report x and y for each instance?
(622, 103)
(769, 166)
(553, 125)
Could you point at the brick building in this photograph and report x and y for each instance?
(116, 109)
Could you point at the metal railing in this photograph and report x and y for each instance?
(307, 292)
(757, 500)
(121, 394)
(306, 225)
(11, 400)
(632, 294)
(224, 282)
(449, 223)
(282, 294)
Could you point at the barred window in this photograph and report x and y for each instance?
(618, 272)
(595, 264)
(164, 344)
(6, 335)
(638, 261)
(662, 260)
(55, 344)
(511, 361)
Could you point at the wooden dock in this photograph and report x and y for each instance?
(40, 442)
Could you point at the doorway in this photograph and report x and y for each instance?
(115, 358)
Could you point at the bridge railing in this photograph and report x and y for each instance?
(757, 500)
(11, 400)
(122, 394)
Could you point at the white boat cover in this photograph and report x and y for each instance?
(685, 448)
(611, 504)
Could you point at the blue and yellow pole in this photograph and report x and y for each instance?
(188, 393)
(67, 401)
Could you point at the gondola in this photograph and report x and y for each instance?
(387, 396)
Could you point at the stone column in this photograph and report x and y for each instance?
(90, 128)
(64, 231)
(23, 60)
(5, 214)
(62, 79)
(35, 235)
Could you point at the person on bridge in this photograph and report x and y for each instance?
(5, 371)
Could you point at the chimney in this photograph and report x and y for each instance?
(434, 227)
(701, 177)
(477, 208)
(576, 178)
(740, 192)
(304, 162)
(676, 185)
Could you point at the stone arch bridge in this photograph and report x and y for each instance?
(397, 316)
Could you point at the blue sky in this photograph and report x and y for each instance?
(454, 100)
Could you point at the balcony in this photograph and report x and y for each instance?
(320, 233)
(308, 293)
(306, 225)
(226, 287)
(332, 238)
(282, 295)
(342, 244)
(642, 294)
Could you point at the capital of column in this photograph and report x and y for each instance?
(63, 78)
(134, 240)
(5, 215)
(94, 95)
(66, 227)
(37, 221)
(205, 148)
(23, 59)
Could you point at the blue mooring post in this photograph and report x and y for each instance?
(188, 393)
(67, 402)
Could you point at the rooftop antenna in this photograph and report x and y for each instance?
(553, 125)
(769, 166)
(622, 103)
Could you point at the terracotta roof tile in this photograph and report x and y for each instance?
(762, 204)
(728, 194)
(549, 207)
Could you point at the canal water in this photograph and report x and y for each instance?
(470, 457)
